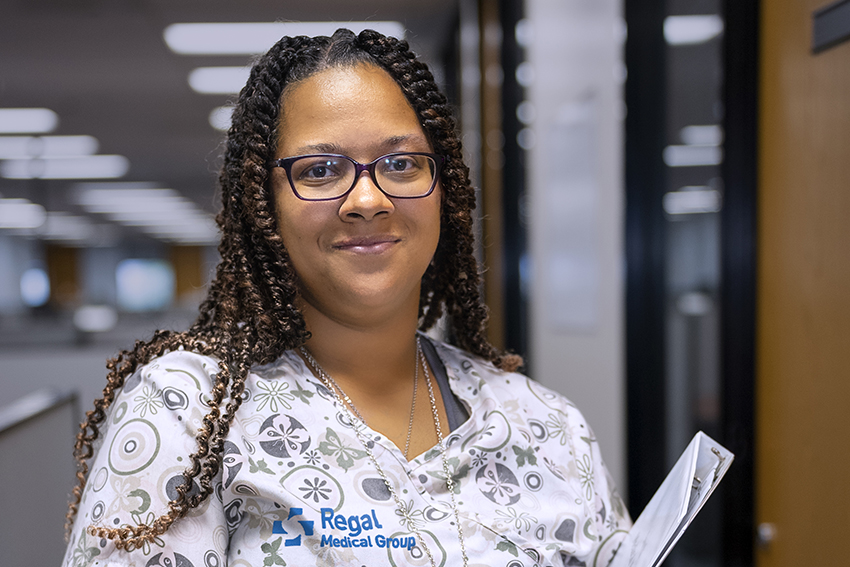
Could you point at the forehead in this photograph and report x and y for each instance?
(355, 108)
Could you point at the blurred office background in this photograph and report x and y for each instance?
(663, 211)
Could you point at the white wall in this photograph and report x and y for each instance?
(576, 219)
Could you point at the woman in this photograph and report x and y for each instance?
(302, 419)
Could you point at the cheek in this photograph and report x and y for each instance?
(290, 216)
(291, 234)
(304, 228)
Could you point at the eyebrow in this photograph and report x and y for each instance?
(386, 145)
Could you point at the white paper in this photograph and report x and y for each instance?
(674, 506)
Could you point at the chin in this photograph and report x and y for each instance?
(375, 295)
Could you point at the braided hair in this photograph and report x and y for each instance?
(249, 315)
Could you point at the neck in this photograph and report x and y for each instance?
(373, 360)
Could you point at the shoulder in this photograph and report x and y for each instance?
(514, 388)
(144, 445)
(180, 369)
(175, 385)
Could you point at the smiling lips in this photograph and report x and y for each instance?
(367, 244)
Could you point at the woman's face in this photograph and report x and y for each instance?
(361, 256)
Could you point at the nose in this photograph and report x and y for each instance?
(365, 201)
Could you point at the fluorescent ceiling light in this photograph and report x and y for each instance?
(22, 147)
(159, 212)
(709, 135)
(694, 200)
(187, 230)
(198, 240)
(689, 156)
(27, 120)
(119, 200)
(198, 231)
(132, 200)
(84, 167)
(21, 213)
(253, 38)
(692, 30)
(117, 185)
(220, 117)
(64, 226)
(218, 80)
(154, 219)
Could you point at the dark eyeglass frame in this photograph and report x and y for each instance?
(359, 168)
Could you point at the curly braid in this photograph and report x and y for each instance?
(249, 315)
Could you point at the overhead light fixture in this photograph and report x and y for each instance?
(66, 227)
(27, 120)
(258, 37)
(218, 80)
(160, 217)
(24, 147)
(221, 117)
(21, 214)
(708, 135)
(691, 156)
(702, 147)
(159, 212)
(692, 200)
(83, 167)
(129, 199)
(692, 30)
(186, 234)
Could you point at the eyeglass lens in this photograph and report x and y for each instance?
(398, 175)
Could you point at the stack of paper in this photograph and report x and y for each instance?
(673, 507)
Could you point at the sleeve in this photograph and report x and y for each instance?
(612, 517)
(606, 520)
(613, 513)
(146, 439)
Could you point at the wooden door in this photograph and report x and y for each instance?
(803, 320)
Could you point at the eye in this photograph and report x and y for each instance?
(398, 164)
(317, 169)
(403, 167)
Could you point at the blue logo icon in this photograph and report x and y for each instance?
(306, 526)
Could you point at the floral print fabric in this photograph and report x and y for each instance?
(297, 487)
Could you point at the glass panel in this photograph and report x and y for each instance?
(693, 200)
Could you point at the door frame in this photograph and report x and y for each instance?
(645, 180)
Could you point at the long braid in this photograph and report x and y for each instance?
(233, 297)
(249, 315)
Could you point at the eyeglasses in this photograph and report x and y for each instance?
(324, 177)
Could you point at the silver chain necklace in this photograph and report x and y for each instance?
(359, 423)
(336, 388)
(412, 410)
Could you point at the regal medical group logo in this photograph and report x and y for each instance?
(339, 530)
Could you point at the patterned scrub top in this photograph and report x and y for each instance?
(297, 488)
